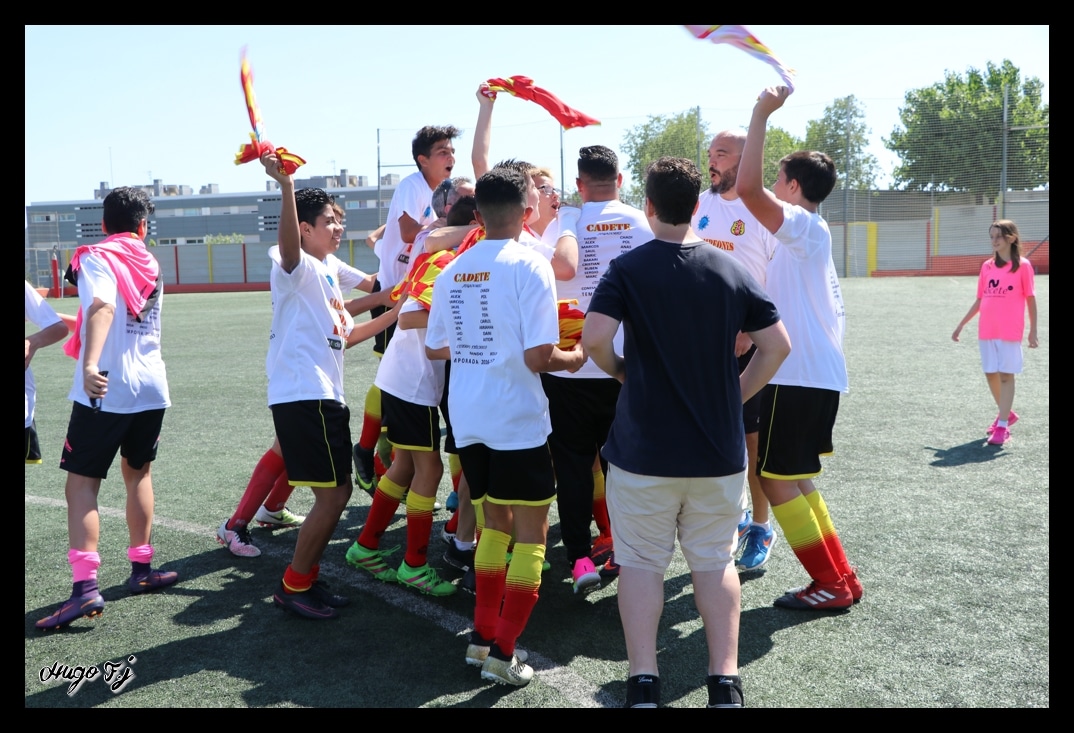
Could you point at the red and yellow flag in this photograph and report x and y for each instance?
(571, 321)
(524, 88)
(258, 146)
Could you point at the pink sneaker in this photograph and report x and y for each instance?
(586, 577)
(999, 436)
(1010, 423)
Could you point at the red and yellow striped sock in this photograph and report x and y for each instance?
(802, 532)
(520, 594)
(827, 531)
(419, 526)
(600, 505)
(371, 419)
(386, 500)
(491, 577)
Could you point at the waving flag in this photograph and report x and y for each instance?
(524, 88)
(258, 145)
(739, 37)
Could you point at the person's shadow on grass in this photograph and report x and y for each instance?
(218, 623)
(975, 451)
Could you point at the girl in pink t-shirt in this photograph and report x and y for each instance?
(1004, 291)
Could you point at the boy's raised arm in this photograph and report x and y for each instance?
(761, 202)
(289, 234)
(479, 154)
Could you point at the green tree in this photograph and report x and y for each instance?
(951, 136)
(842, 134)
(778, 143)
(224, 239)
(684, 135)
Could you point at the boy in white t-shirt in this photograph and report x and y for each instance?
(310, 330)
(410, 211)
(119, 395)
(799, 405)
(494, 315)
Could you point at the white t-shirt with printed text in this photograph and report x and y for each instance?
(490, 305)
(605, 230)
(137, 379)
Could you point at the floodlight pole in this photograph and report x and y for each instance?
(1003, 166)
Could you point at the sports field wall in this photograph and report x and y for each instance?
(953, 241)
(205, 268)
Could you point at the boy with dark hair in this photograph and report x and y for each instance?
(310, 330)
(799, 406)
(687, 484)
(494, 316)
(269, 488)
(582, 404)
(409, 212)
(116, 341)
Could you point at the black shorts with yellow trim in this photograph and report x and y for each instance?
(410, 426)
(315, 437)
(509, 476)
(796, 430)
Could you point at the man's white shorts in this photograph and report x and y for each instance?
(649, 512)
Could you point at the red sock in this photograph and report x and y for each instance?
(294, 582)
(452, 525)
(264, 476)
(600, 505)
(600, 516)
(520, 594)
(370, 431)
(827, 531)
(385, 502)
(281, 492)
(378, 466)
(491, 576)
(419, 526)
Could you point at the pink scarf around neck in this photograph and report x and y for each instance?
(136, 274)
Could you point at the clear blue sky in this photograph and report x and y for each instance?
(127, 104)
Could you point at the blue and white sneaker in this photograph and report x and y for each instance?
(759, 542)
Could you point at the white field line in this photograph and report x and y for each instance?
(578, 691)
